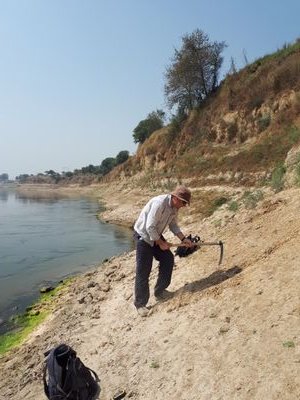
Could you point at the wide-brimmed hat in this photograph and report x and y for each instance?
(182, 193)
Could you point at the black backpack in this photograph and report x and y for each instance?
(66, 377)
(186, 251)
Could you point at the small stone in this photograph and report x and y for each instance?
(223, 329)
(120, 277)
(128, 296)
(91, 284)
(109, 272)
(46, 289)
(105, 288)
(34, 313)
(132, 394)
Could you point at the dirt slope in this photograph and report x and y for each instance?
(230, 332)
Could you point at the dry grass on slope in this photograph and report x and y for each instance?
(247, 127)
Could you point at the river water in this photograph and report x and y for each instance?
(43, 240)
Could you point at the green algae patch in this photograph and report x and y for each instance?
(22, 325)
(25, 325)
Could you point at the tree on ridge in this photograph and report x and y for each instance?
(194, 71)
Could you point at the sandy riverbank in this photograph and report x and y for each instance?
(230, 332)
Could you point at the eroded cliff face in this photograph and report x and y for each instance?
(241, 125)
(239, 135)
(217, 145)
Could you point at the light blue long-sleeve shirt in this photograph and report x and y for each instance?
(155, 217)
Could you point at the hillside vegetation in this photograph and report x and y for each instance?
(241, 134)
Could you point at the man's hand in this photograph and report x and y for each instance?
(163, 244)
(187, 243)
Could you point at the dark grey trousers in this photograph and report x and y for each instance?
(144, 260)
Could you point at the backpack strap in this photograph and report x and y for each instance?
(94, 373)
(46, 388)
(54, 369)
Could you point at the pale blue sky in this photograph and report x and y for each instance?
(76, 77)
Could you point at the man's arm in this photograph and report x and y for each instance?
(185, 240)
(177, 232)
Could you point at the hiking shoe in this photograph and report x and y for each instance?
(143, 311)
(164, 295)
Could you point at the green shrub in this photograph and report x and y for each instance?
(218, 202)
(294, 134)
(289, 344)
(277, 178)
(264, 122)
(232, 130)
(217, 223)
(176, 123)
(254, 66)
(233, 206)
(256, 100)
(250, 199)
(297, 171)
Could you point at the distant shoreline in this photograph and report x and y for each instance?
(65, 190)
(8, 185)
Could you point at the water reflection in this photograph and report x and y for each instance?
(38, 197)
(43, 239)
(3, 195)
(121, 232)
